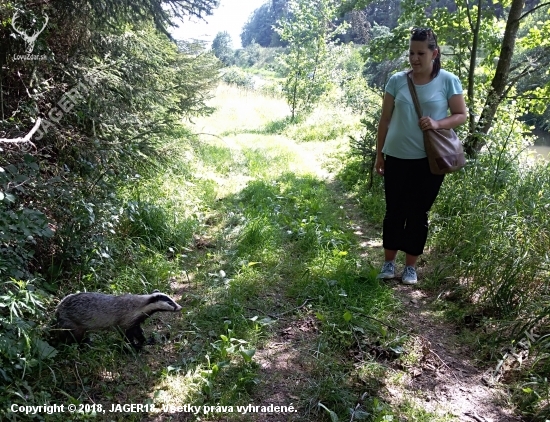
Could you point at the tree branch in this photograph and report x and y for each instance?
(533, 9)
(516, 78)
(27, 138)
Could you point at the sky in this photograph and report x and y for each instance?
(230, 16)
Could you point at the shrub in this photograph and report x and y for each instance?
(22, 347)
(272, 89)
(323, 124)
(237, 77)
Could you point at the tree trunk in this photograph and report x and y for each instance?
(294, 97)
(476, 140)
(473, 58)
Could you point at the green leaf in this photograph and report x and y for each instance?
(251, 264)
(45, 351)
(333, 416)
(359, 329)
(360, 415)
(347, 316)
(247, 354)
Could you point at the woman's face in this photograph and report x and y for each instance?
(420, 56)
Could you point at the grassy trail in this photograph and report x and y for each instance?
(283, 307)
(278, 269)
(281, 304)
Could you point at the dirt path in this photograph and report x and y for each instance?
(446, 380)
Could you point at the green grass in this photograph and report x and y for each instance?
(243, 229)
(242, 224)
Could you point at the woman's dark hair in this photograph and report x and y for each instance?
(427, 34)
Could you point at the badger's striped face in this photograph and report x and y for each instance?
(162, 302)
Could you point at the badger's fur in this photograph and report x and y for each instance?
(81, 312)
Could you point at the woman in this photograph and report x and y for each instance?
(409, 185)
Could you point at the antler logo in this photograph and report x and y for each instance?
(30, 40)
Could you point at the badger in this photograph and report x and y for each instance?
(81, 312)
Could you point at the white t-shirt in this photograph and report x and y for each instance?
(404, 138)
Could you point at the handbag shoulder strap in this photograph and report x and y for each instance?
(413, 95)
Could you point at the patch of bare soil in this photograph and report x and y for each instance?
(446, 378)
(284, 367)
(283, 361)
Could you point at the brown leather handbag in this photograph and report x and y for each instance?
(443, 148)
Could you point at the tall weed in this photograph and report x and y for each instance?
(491, 236)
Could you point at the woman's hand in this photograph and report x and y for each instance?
(379, 164)
(427, 123)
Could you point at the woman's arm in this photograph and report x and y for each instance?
(383, 125)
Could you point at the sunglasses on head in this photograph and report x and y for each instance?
(422, 31)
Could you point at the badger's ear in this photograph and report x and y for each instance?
(156, 291)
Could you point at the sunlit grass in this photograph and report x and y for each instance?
(243, 223)
(239, 110)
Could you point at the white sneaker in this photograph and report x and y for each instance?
(388, 270)
(409, 275)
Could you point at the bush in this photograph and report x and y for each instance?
(272, 89)
(237, 77)
(22, 227)
(22, 347)
(323, 124)
(490, 225)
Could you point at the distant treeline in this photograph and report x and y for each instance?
(259, 27)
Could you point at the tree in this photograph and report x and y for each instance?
(162, 12)
(483, 51)
(308, 29)
(122, 83)
(505, 76)
(221, 47)
(260, 27)
(482, 48)
(248, 56)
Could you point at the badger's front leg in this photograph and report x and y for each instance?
(71, 334)
(135, 332)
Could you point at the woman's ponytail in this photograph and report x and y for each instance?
(437, 64)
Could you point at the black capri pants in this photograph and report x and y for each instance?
(411, 190)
